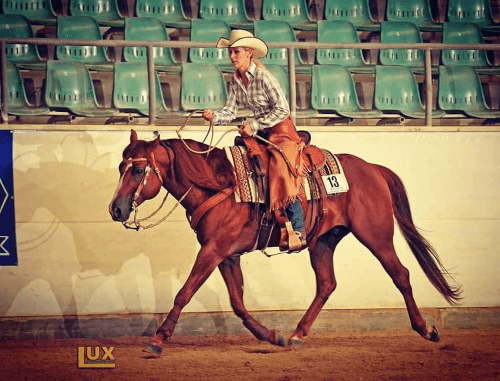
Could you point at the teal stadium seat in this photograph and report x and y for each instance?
(397, 90)
(295, 12)
(39, 11)
(202, 87)
(475, 11)
(17, 101)
(401, 32)
(105, 12)
(149, 28)
(416, 11)
(333, 91)
(356, 11)
(279, 31)
(460, 90)
(131, 90)
(207, 30)
(284, 79)
(69, 86)
(82, 28)
(232, 12)
(463, 33)
(170, 12)
(341, 32)
(24, 55)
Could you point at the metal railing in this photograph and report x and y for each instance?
(291, 46)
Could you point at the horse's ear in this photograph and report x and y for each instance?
(156, 142)
(133, 136)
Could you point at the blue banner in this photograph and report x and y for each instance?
(8, 253)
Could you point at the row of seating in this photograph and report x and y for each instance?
(69, 87)
(296, 12)
(145, 28)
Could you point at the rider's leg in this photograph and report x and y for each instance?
(295, 214)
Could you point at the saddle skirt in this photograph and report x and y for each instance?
(246, 188)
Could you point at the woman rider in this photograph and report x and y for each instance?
(252, 86)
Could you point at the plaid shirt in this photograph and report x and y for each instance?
(263, 96)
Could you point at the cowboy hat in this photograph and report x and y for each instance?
(245, 39)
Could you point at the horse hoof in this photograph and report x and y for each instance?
(295, 342)
(434, 334)
(153, 348)
(278, 339)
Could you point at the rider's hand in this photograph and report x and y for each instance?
(208, 115)
(246, 130)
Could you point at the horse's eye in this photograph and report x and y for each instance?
(138, 171)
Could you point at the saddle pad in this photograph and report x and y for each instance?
(246, 189)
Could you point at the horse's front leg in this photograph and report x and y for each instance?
(206, 262)
(231, 273)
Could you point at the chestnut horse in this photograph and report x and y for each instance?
(376, 196)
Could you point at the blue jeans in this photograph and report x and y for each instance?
(295, 214)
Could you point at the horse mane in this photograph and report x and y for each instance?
(211, 171)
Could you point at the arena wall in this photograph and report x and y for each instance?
(74, 261)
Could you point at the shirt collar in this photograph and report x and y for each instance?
(250, 73)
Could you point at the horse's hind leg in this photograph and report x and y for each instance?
(231, 273)
(321, 255)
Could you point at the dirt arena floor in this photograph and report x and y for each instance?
(393, 355)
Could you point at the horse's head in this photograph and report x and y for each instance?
(140, 177)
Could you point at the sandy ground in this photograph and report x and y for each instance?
(394, 355)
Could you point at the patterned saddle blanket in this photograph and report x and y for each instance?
(331, 172)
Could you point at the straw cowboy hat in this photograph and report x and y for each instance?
(245, 39)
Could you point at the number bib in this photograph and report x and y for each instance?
(335, 183)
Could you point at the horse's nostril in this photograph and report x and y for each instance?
(117, 213)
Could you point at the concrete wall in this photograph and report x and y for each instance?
(73, 260)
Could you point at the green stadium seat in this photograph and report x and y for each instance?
(23, 55)
(37, 11)
(170, 12)
(333, 91)
(416, 11)
(69, 86)
(460, 90)
(82, 28)
(295, 12)
(17, 101)
(105, 12)
(341, 32)
(210, 30)
(279, 31)
(356, 11)
(475, 11)
(396, 89)
(401, 32)
(232, 12)
(149, 28)
(131, 90)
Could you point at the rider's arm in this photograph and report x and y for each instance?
(228, 112)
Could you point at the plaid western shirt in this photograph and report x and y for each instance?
(263, 96)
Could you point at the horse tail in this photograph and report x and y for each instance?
(425, 254)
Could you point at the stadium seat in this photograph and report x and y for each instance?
(232, 12)
(170, 12)
(69, 86)
(284, 79)
(295, 12)
(279, 31)
(206, 30)
(149, 28)
(460, 90)
(202, 87)
(333, 91)
(342, 32)
(355, 11)
(37, 11)
(82, 28)
(463, 33)
(23, 55)
(17, 101)
(475, 11)
(131, 89)
(400, 32)
(416, 11)
(396, 90)
(105, 12)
